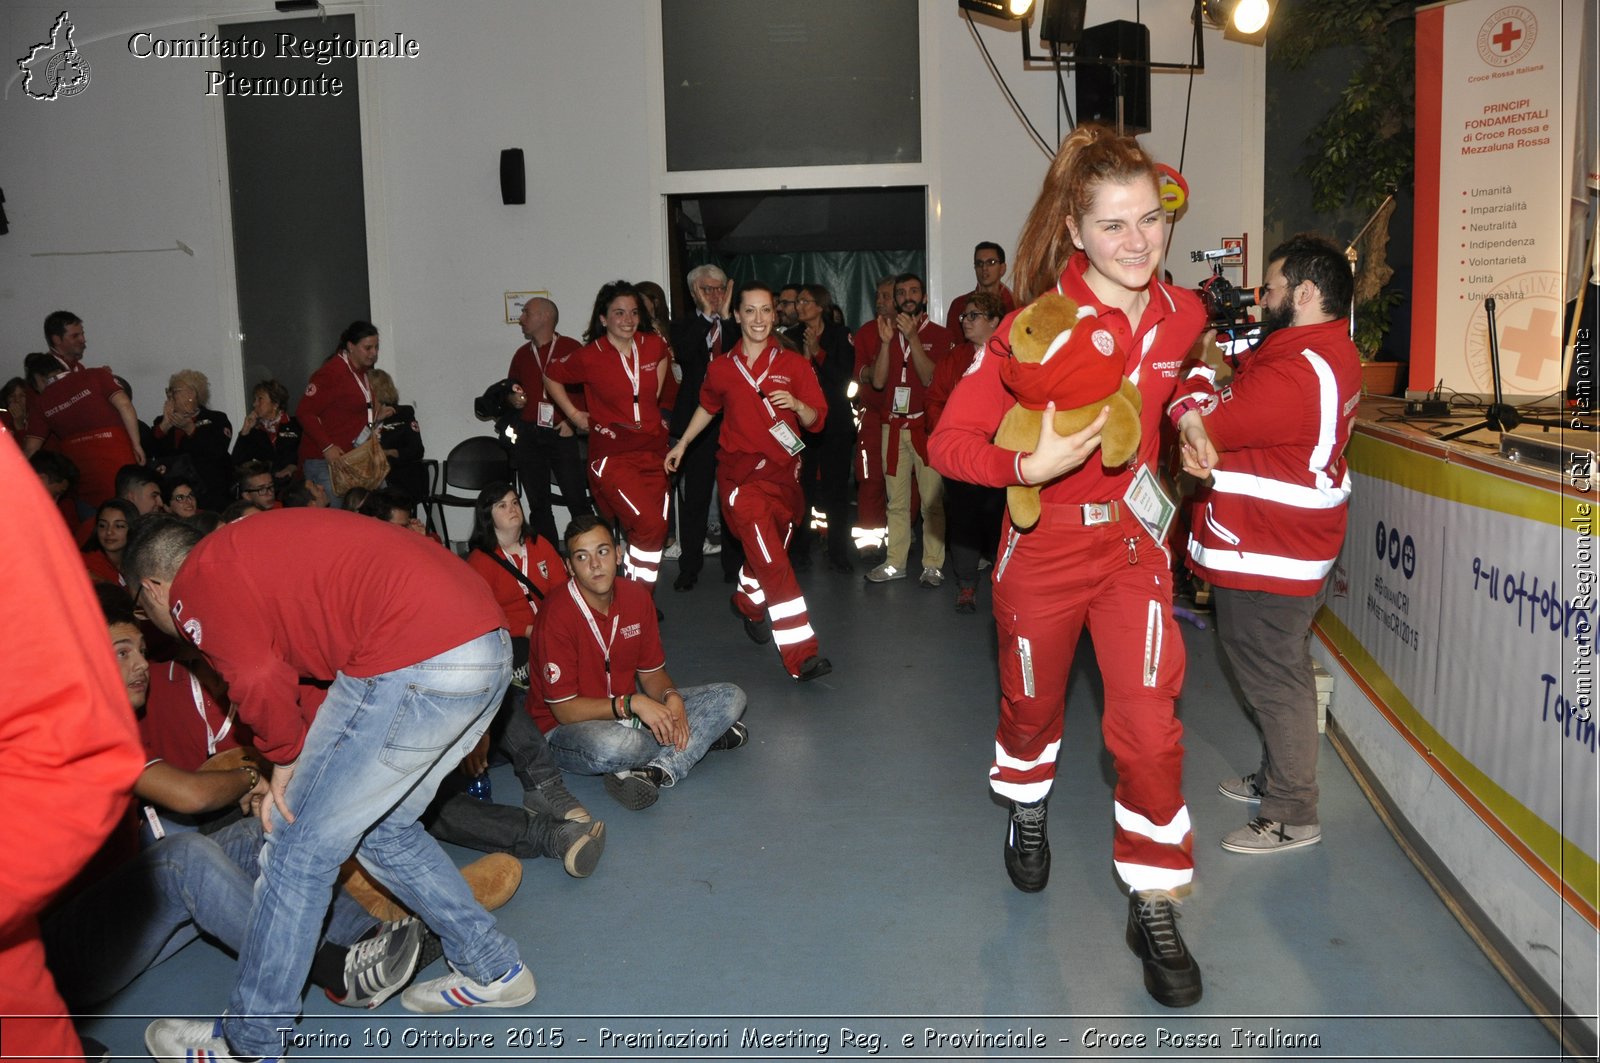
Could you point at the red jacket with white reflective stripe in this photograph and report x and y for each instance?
(1273, 517)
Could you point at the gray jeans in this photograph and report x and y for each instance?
(1267, 638)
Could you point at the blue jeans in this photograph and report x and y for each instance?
(600, 747)
(317, 469)
(371, 764)
(158, 902)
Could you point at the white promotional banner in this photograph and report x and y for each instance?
(1466, 601)
(1493, 165)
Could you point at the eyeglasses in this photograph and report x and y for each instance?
(786, 302)
(183, 498)
(807, 299)
(973, 315)
(986, 262)
(270, 489)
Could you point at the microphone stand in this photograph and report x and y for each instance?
(1499, 417)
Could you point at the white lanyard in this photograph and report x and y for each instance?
(594, 629)
(521, 561)
(544, 362)
(633, 372)
(755, 382)
(905, 354)
(212, 737)
(366, 389)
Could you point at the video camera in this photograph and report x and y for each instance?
(495, 404)
(1226, 303)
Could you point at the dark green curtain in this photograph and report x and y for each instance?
(851, 276)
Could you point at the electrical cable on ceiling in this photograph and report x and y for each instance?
(1038, 137)
(1188, 98)
(1061, 93)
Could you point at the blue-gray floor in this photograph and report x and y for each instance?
(843, 873)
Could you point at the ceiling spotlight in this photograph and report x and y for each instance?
(1010, 10)
(1240, 20)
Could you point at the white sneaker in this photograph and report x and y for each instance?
(456, 991)
(712, 547)
(931, 577)
(190, 1040)
(672, 552)
(884, 573)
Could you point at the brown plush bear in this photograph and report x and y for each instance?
(1057, 356)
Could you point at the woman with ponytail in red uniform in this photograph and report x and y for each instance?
(1096, 234)
(621, 368)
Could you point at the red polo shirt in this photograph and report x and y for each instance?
(311, 593)
(528, 366)
(935, 344)
(574, 661)
(544, 570)
(746, 443)
(605, 375)
(182, 723)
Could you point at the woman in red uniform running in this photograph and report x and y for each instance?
(621, 368)
(1096, 234)
(766, 395)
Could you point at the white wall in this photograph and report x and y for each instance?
(136, 161)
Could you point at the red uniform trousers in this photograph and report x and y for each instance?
(1049, 583)
(872, 501)
(762, 514)
(632, 488)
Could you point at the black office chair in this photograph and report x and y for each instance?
(472, 465)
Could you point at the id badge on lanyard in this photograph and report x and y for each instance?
(545, 411)
(779, 428)
(901, 405)
(1150, 503)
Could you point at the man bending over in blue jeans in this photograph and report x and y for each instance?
(610, 707)
(413, 644)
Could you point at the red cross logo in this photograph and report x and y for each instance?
(1538, 342)
(1508, 36)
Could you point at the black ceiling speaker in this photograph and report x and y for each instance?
(1128, 42)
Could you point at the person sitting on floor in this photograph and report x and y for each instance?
(148, 906)
(610, 708)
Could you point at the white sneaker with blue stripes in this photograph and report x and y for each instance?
(455, 991)
(189, 1041)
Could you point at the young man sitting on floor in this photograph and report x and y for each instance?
(610, 708)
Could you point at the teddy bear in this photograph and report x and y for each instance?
(1061, 354)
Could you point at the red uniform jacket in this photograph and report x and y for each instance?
(1273, 517)
(1157, 348)
(337, 405)
(946, 375)
(315, 592)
